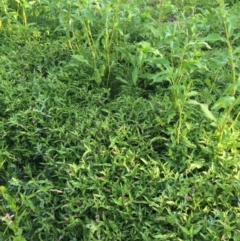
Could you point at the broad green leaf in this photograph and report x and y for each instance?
(147, 48)
(3, 190)
(149, 76)
(220, 60)
(200, 65)
(80, 59)
(224, 102)
(19, 238)
(232, 24)
(157, 78)
(232, 87)
(237, 49)
(177, 87)
(193, 102)
(87, 14)
(207, 112)
(213, 37)
(237, 101)
(208, 83)
(192, 93)
(196, 165)
(135, 75)
(236, 36)
(160, 62)
(160, 79)
(204, 108)
(197, 229)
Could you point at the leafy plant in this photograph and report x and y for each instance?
(119, 120)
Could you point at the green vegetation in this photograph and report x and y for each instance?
(119, 120)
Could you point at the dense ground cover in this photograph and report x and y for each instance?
(119, 120)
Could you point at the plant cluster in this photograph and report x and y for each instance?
(119, 120)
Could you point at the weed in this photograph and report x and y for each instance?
(119, 120)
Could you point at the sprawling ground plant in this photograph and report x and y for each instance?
(119, 120)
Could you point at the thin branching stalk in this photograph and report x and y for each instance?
(228, 41)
